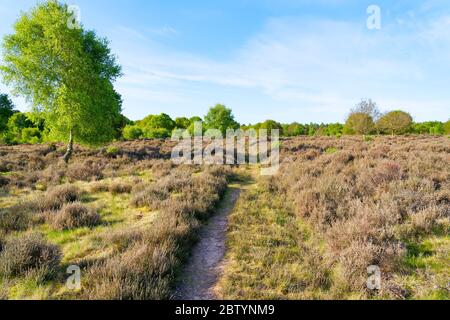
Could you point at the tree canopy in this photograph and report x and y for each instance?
(359, 123)
(368, 107)
(395, 122)
(65, 73)
(447, 127)
(221, 118)
(6, 111)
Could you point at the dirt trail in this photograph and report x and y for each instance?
(204, 266)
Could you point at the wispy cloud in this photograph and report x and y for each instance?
(163, 31)
(308, 65)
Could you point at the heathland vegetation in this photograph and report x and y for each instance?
(337, 207)
(83, 187)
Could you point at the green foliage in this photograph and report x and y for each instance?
(162, 121)
(334, 129)
(112, 151)
(66, 73)
(119, 125)
(311, 130)
(157, 133)
(447, 127)
(6, 111)
(194, 120)
(151, 127)
(21, 129)
(294, 129)
(395, 122)
(220, 118)
(331, 150)
(368, 138)
(359, 123)
(270, 125)
(132, 132)
(31, 135)
(182, 123)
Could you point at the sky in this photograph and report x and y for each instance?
(287, 60)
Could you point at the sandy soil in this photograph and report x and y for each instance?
(203, 269)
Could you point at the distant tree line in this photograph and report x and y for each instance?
(365, 119)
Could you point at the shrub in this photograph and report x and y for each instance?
(73, 216)
(359, 123)
(112, 151)
(29, 253)
(152, 196)
(395, 122)
(31, 135)
(132, 132)
(423, 222)
(85, 171)
(56, 198)
(156, 133)
(447, 127)
(99, 186)
(120, 187)
(14, 219)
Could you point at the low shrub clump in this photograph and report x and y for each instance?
(55, 198)
(120, 187)
(29, 253)
(14, 219)
(72, 216)
(85, 171)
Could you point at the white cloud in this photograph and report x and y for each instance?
(307, 65)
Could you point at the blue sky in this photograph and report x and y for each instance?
(306, 61)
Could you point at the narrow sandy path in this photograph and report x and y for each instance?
(203, 269)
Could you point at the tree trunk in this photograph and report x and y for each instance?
(69, 151)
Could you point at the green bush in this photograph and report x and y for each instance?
(31, 136)
(158, 133)
(368, 138)
(112, 151)
(132, 132)
(447, 127)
